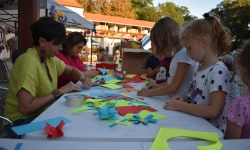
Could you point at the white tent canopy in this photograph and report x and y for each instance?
(9, 14)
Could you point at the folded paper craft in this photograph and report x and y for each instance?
(137, 119)
(54, 132)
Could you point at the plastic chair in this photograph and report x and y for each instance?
(3, 96)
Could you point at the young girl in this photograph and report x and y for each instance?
(209, 88)
(238, 114)
(166, 42)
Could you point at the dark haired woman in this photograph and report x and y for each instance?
(33, 77)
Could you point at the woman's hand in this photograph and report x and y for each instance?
(143, 92)
(69, 87)
(86, 82)
(90, 74)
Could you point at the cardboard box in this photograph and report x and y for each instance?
(134, 60)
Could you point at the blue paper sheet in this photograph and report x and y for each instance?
(31, 127)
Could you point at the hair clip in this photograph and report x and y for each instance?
(207, 17)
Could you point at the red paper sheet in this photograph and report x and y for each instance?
(123, 110)
(135, 79)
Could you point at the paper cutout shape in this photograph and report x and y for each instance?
(54, 132)
(165, 134)
(121, 122)
(123, 110)
(111, 86)
(113, 81)
(145, 113)
(104, 71)
(80, 109)
(35, 126)
(107, 112)
(135, 79)
(137, 119)
(18, 146)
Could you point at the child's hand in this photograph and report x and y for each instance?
(181, 98)
(151, 83)
(143, 92)
(174, 103)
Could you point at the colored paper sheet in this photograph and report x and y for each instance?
(18, 146)
(113, 81)
(103, 71)
(121, 103)
(106, 95)
(126, 85)
(99, 88)
(123, 110)
(145, 113)
(80, 109)
(90, 100)
(164, 134)
(31, 127)
(130, 75)
(96, 95)
(112, 86)
(107, 78)
(135, 79)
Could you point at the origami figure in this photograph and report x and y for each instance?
(108, 112)
(137, 119)
(54, 132)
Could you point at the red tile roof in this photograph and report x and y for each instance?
(118, 20)
(108, 19)
(72, 3)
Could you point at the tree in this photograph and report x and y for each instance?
(235, 15)
(145, 10)
(120, 8)
(179, 13)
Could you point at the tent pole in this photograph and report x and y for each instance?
(91, 49)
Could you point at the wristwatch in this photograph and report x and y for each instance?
(56, 93)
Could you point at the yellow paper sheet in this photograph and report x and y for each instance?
(164, 134)
(130, 75)
(77, 110)
(111, 86)
(91, 100)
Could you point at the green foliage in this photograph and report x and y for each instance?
(235, 15)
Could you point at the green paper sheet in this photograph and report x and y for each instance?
(111, 86)
(90, 100)
(113, 81)
(77, 110)
(121, 103)
(145, 113)
(164, 134)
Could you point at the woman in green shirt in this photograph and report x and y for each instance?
(33, 77)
